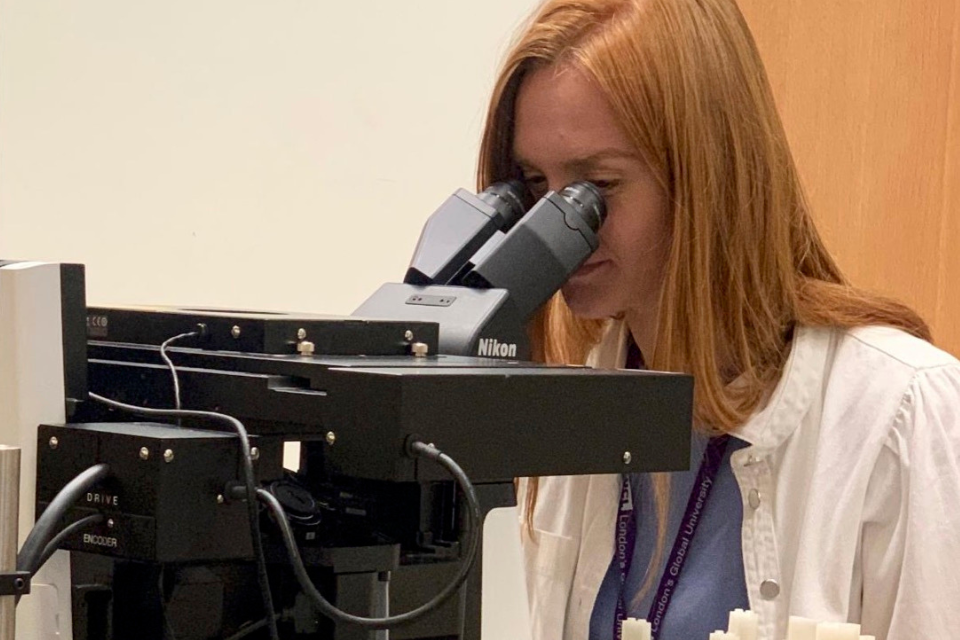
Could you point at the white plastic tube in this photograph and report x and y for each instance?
(744, 624)
(838, 631)
(801, 628)
(635, 629)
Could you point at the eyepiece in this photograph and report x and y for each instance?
(510, 198)
(543, 249)
(588, 202)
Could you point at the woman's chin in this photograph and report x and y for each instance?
(585, 303)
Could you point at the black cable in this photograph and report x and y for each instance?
(44, 529)
(250, 628)
(331, 611)
(173, 370)
(248, 479)
(168, 632)
(65, 533)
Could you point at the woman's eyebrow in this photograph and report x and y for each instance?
(600, 156)
(587, 161)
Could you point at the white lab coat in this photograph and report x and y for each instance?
(850, 488)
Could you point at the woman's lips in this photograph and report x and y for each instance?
(589, 267)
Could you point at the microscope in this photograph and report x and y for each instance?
(154, 503)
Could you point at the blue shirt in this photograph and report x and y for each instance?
(712, 582)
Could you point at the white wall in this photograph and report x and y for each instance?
(239, 153)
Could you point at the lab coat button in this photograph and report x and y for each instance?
(769, 589)
(753, 499)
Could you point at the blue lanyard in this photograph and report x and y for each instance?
(626, 540)
(626, 534)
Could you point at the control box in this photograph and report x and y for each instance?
(164, 499)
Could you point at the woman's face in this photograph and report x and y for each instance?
(565, 131)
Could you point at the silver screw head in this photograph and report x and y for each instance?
(627, 457)
(235, 332)
(220, 498)
(420, 349)
(110, 523)
(144, 453)
(408, 335)
(301, 334)
(168, 455)
(331, 438)
(254, 453)
(54, 443)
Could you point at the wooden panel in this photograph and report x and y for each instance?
(868, 93)
(948, 308)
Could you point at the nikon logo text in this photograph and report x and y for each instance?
(496, 349)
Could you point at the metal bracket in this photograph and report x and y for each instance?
(16, 583)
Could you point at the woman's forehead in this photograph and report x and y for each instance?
(561, 116)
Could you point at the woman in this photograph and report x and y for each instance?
(826, 473)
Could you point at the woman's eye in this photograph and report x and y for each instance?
(536, 184)
(606, 186)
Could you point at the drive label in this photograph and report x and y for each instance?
(102, 499)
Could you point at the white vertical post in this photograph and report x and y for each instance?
(31, 393)
(9, 510)
(504, 611)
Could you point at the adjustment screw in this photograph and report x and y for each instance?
(168, 455)
(420, 349)
(110, 523)
(235, 332)
(331, 438)
(254, 453)
(627, 457)
(54, 443)
(220, 499)
(306, 348)
(19, 584)
(408, 335)
(301, 334)
(144, 453)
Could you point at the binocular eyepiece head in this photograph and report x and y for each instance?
(503, 237)
(535, 258)
(511, 199)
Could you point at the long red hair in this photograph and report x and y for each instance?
(746, 264)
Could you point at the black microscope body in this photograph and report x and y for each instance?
(441, 358)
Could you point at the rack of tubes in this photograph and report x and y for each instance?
(743, 625)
